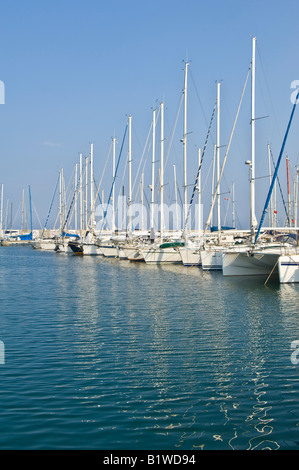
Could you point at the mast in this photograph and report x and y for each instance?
(30, 206)
(199, 195)
(81, 193)
(213, 182)
(218, 158)
(60, 201)
(271, 224)
(289, 195)
(23, 208)
(153, 170)
(162, 173)
(175, 197)
(142, 196)
(86, 192)
(113, 189)
(252, 179)
(76, 190)
(276, 170)
(185, 144)
(130, 172)
(92, 202)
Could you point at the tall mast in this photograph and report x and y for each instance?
(185, 144)
(30, 208)
(175, 197)
(199, 195)
(92, 202)
(76, 191)
(23, 209)
(253, 222)
(113, 189)
(142, 197)
(130, 172)
(86, 192)
(213, 183)
(81, 192)
(218, 157)
(153, 170)
(289, 194)
(60, 200)
(162, 172)
(270, 178)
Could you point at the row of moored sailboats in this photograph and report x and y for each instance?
(257, 251)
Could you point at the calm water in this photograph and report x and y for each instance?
(108, 354)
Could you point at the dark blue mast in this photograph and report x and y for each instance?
(276, 170)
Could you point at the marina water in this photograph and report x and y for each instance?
(109, 354)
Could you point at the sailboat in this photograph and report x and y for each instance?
(55, 242)
(190, 252)
(87, 243)
(211, 252)
(167, 250)
(266, 257)
(20, 239)
(163, 250)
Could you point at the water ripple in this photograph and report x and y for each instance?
(106, 355)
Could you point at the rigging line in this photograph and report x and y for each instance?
(207, 177)
(123, 175)
(67, 190)
(146, 199)
(68, 214)
(276, 170)
(134, 199)
(268, 90)
(197, 94)
(37, 215)
(98, 189)
(17, 213)
(97, 195)
(72, 201)
(114, 177)
(228, 206)
(50, 207)
(199, 168)
(173, 131)
(227, 150)
(142, 157)
(279, 185)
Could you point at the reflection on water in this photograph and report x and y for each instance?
(134, 356)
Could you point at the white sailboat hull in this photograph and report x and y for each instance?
(288, 268)
(121, 253)
(190, 256)
(48, 245)
(248, 264)
(109, 251)
(161, 255)
(91, 249)
(63, 247)
(133, 254)
(211, 259)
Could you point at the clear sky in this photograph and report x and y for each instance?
(74, 70)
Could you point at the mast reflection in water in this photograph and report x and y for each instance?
(103, 354)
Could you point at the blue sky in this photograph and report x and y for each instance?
(74, 70)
